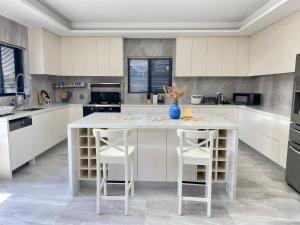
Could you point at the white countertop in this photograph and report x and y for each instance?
(284, 114)
(18, 114)
(280, 113)
(122, 120)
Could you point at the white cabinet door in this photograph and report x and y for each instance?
(51, 53)
(103, 56)
(65, 55)
(229, 56)
(60, 121)
(214, 56)
(152, 155)
(90, 56)
(21, 146)
(42, 132)
(116, 172)
(43, 51)
(116, 56)
(184, 56)
(77, 55)
(243, 51)
(199, 52)
(75, 113)
(189, 171)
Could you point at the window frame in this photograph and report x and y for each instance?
(149, 59)
(19, 68)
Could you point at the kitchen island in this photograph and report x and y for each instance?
(154, 136)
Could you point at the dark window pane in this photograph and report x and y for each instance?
(138, 75)
(160, 74)
(8, 70)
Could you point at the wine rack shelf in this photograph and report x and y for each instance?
(219, 159)
(87, 155)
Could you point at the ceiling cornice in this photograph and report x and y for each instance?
(262, 17)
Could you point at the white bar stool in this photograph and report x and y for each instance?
(110, 151)
(193, 153)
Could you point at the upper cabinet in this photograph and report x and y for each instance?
(199, 53)
(92, 56)
(74, 56)
(229, 56)
(116, 58)
(44, 52)
(66, 56)
(184, 47)
(212, 56)
(273, 50)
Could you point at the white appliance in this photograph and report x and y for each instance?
(196, 99)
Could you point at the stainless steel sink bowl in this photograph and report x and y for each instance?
(31, 109)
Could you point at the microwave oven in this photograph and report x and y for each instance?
(246, 98)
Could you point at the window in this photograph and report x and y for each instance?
(149, 75)
(11, 64)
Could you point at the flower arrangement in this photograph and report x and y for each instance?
(174, 93)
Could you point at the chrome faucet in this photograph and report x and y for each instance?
(16, 85)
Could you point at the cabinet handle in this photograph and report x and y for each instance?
(297, 131)
(292, 148)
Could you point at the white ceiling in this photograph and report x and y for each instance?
(150, 11)
(149, 18)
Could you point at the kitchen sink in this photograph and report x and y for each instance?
(31, 109)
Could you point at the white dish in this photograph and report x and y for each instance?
(6, 110)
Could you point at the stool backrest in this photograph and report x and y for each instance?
(189, 140)
(117, 138)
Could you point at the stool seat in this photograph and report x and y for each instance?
(115, 152)
(196, 153)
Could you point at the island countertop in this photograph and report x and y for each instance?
(123, 120)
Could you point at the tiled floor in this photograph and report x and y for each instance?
(39, 195)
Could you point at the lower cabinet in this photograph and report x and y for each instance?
(20, 146)
(266, 133)
(50, 128)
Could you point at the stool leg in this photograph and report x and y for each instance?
(206, 180)
(104, 177)
(179, 187)
(131, 177)
(98, 187)
(209, 185)
(126, 189)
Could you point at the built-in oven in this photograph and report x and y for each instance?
(104, 97)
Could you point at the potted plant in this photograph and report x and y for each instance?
(174, 94)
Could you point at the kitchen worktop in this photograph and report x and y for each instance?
(121, 120)
(19, 113)
(284, 114)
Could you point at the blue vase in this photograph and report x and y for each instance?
(174, 111)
